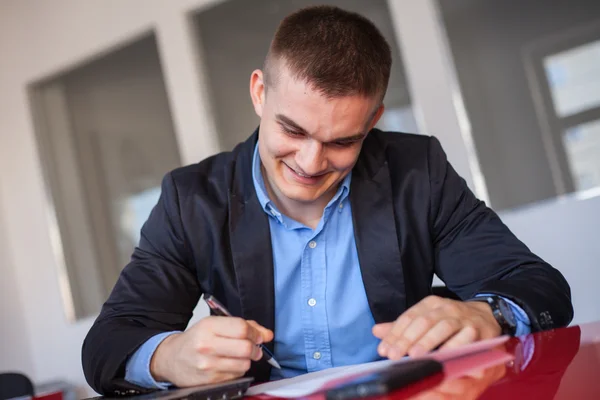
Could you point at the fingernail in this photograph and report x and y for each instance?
(257, 353)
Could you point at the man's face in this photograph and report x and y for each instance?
(308, 142)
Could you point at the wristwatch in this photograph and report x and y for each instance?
(502, 312)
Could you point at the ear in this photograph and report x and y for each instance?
(257, 91)
(377, 115)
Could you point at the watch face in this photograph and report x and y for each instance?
(507, 312)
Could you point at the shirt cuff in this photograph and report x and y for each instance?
(522, 320)
(137, 370)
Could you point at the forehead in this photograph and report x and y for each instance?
(319, 114)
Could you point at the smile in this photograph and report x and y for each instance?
(303, 175)
(303, 178)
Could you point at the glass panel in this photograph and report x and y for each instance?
(398, 119)
(574, 79)
(135, 212)
(235, 37)
(106, 139)
(509, 84)
(582, 144)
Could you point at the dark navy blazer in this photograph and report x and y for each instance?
(413, 217)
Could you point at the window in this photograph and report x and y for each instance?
(529, 75)
(573, 79)
(234, 40)
(106, 139)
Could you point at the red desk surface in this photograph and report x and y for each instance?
(558, 364)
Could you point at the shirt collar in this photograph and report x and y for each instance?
(261, 190)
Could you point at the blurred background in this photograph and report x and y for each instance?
(100, 98)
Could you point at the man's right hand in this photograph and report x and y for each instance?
(215, 349)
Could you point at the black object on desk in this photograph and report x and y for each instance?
(384, 381)
(219, 391)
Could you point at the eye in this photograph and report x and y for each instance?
(343, 144)
(291, 132)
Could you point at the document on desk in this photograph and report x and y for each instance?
(304, 385)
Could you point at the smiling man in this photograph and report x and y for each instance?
(319, 233)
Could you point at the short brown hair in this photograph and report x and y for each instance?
(338, 52)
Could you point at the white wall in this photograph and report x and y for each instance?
(38, 39)
(15, 354)
(565, 232)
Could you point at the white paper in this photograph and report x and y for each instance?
(304, 385)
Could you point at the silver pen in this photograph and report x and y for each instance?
(220, 310)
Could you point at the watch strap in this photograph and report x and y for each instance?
(506, 326)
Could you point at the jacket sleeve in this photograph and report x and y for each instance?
(477, 253)
(156, 292)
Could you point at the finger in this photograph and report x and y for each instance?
(233, 348)
(425, 306)
(235, 328)
(437, 335)
(401, 325)
(381, 330)
(224, 377)
(466, 335)
(216, 377)
(415, 330)
(265, 335)
(395, 333)
(215, 364)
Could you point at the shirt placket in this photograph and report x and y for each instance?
(314, 283)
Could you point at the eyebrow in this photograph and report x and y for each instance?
(287, 121)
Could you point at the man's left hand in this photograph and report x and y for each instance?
(436, 321)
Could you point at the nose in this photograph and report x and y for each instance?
(311, 158)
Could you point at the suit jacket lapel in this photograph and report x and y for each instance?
(376, 235)
(251, 250)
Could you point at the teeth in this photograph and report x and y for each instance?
(302, 175)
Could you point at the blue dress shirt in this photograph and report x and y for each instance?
(322, 317)
(319, 291)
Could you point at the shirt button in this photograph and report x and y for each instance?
(317, 355)
(312, 244)
(312, 302)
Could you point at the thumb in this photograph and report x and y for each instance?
(381, 330)
(266, 334)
